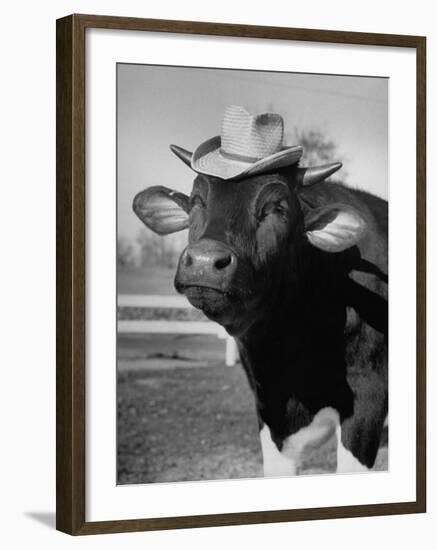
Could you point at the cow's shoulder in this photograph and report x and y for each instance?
(325, 193)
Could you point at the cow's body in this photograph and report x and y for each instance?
(322, 341)
(304, 291)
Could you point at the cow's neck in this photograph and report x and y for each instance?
(291, 291)
(279, 353)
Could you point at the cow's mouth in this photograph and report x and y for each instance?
(214, 302)
(232, 308)
(203, 293)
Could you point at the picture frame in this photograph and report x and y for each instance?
(72, 219)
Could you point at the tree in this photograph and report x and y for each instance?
(125, 252)
(158, 251)
(318, 148)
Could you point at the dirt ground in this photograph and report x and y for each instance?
(183, 415)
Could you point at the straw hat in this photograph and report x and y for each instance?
(248, 145)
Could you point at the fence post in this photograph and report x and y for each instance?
(166, 327)
(231, 351)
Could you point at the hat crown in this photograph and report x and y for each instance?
(248, 145)
(249, 137)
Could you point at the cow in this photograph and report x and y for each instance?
(295, 269)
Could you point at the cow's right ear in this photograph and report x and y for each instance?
(162, 210)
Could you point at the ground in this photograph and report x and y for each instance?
(183, 419)
(182, 413)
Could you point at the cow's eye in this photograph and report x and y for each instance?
(275, 208)
(196, 200)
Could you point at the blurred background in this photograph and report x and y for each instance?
(183, 414)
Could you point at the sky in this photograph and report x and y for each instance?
(160, 105)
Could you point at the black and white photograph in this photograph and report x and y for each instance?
(252, 274)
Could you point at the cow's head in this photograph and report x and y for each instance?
(243, 236)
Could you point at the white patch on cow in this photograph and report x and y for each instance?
(346, 462)
(274, 462)
(321, 428)
(284, 463)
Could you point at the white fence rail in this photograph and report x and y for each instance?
(172, 326)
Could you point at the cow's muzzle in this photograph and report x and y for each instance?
(206, 264)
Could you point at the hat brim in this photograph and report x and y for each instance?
(207, 159)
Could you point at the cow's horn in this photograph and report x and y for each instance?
(315, 174)
(183, 154)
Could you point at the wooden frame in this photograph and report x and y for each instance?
(70, 174)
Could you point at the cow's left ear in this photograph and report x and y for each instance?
(334, 228)
(163, 210)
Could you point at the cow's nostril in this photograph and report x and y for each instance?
(188, 260)
(223, 262)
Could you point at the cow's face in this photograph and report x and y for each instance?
(243, 237)
(239, 234)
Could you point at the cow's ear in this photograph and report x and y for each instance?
(163, 210)
(334, 228)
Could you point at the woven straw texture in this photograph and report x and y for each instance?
(248, 145)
